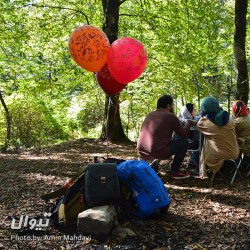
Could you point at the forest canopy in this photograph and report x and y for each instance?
(50, 98)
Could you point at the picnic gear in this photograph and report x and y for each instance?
(71, 197)
(107, 160)
(101, 184)
(67, 208)
(147, 189)
(61, 191)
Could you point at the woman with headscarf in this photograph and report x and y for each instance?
(219, 136)
(242, 127)
(188, 112)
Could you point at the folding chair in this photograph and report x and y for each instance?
(153, 162)
(235, 169)
(242, 146)
(198, 150)
(249, 171)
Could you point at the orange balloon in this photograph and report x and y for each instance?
(88, 45)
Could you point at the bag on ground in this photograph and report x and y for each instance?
(107, 160)
(65, 212)
(147, 188)
(101, 184)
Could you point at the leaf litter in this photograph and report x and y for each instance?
(202, 215)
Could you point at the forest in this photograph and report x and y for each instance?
(47, 98)
(55, 118)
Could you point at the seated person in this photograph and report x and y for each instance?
(188, 113)
(242, 127)
(219, 136)
(155, 139)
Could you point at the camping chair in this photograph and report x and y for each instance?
(247, 167)
(153, 162)
(198, 150)
(235, 169)
(189, 154)
(243, 147)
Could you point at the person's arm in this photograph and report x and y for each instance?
(178, 129)
(182, 120)
(237, 127)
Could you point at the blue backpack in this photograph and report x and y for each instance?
(147, 188)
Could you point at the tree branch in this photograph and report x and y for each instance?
(121, 2)
(58, 7)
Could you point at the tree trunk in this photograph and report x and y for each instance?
(8, 123)
(112, 129)
(240, 51)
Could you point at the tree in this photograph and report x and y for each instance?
(8, 123)
(240, 51)
(112, 126)
(190, 55)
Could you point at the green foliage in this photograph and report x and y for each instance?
(190, 55)
(33, 124)
(90, 116)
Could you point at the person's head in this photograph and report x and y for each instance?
(165, 102)
(191, 109)
(210, 108)
(209, 105)
(239, 108)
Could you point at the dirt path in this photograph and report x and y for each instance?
(201, 216)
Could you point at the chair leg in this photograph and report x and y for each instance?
(155, 164)
(237, 166)
(213, 177)
(247, 168)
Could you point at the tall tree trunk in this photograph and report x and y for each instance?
(8, 123)
(240, 51)
(112, 128)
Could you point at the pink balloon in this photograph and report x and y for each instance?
(126, 59)
(107, 81)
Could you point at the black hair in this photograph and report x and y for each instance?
(190, 107)
(238, 108)
(163, 101)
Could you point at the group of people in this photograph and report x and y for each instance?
(164, 135)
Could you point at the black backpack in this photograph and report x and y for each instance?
(65, 212)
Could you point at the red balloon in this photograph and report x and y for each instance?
(88, 45)
(107, 81)
(126, 59)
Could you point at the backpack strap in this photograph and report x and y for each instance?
(61, 191)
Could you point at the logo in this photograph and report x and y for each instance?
(37, 224)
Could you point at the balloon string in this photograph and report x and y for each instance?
(100, 103)
(107, 119)
(113, 124)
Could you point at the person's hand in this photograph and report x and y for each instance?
(192, 122)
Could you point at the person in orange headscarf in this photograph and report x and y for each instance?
(242, 127)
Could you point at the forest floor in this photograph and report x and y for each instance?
(202, 215)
